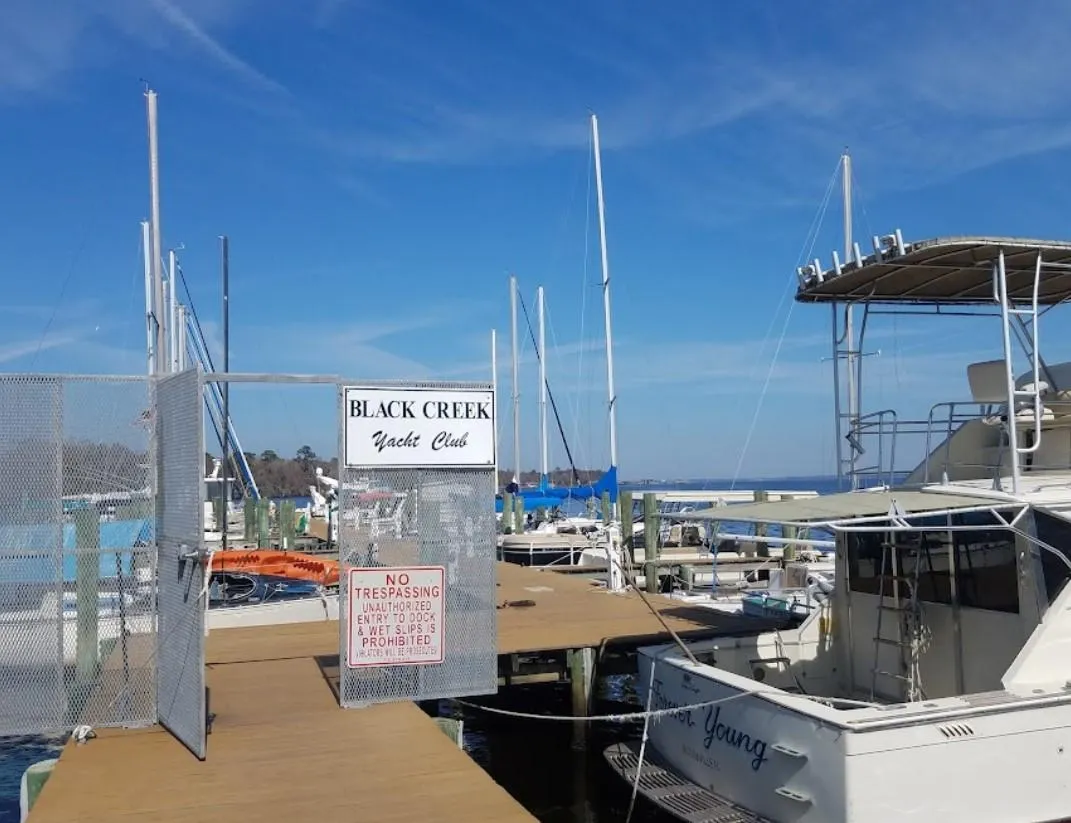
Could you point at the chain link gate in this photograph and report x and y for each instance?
(416, 525)
(77, 553)
(180, 694)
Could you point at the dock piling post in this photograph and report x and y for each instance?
(606, 509)
(287, 525)
(650, 541)
(624, 500)
(249, 510)
(87, 592)
(789, 533)
(518, 515)
(263, 524)
(507, 513)
(581, 679)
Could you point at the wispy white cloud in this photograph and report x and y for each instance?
(18, 350)
(209, 45)
(42, 43)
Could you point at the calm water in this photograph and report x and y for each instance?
(533, 760)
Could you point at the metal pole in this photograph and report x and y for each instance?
(611, 393)
(150, 298)
(156, 246)
(1000, 274)
(849, 337)
(226, 467)
(180, 322)
(172, 313)
(544, 457)
(516, 382)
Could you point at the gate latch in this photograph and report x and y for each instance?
(186, 553)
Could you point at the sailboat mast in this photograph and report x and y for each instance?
(172, 312)
(849, 333)
(611, 393)
(544, 461)
(516, 381)
(150, 298)
(156, 247)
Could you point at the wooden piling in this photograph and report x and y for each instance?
(762, 549)
(651, 550)
(249, 510)
(607, 510)
(287, 525)
(87, 592)
(789, 533)
(518, 515)
(219, 511)
(263, 523)
(581, 664)
(507, 513)
(624, 502)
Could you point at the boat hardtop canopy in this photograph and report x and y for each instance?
(835, 509)
(955, 270)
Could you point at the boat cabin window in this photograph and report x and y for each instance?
(1056, 532)
(977, 567)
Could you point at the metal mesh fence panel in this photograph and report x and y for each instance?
(419, 518)
(77, 609)
(180, 643)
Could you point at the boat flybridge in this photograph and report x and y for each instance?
(935, 682)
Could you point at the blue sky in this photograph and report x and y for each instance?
(381, 167)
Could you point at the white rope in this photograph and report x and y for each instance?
(643, 744)
(624, 717)
(83, 733)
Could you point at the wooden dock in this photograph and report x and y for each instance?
(281, 748)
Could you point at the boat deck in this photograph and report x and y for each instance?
(281, 748)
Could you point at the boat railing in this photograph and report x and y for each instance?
(881, 434)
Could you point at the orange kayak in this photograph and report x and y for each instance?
(292, 565)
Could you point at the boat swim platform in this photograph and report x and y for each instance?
(280, 746)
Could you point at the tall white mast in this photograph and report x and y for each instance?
(150, 297)
(849, 336)
(172, 313)
(156, 247)
(516, 382)
(544, 461)
(494, 394)
(611, 393)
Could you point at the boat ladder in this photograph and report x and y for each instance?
(898, 595)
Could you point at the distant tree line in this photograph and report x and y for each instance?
(278, 476)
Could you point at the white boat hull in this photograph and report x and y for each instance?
(996, 757)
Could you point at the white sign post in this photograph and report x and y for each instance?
(396, 616)
(389, 427)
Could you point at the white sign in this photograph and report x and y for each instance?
(417, 427)
(396, 616)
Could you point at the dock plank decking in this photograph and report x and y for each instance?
(282, 749)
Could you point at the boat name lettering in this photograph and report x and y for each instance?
(733, 738)
(659, 702)
(429, 410)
